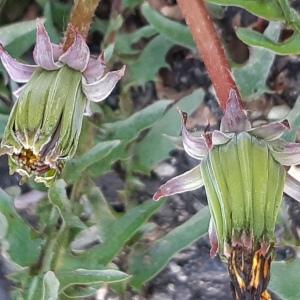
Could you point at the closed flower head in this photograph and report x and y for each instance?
(45, 122)
(244, 173)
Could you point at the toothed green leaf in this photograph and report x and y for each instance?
(151, 60)
(172, 30)
(269, 9)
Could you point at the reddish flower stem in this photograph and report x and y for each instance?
(210, 48)
(80, 20)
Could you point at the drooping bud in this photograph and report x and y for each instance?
(244, 185)
(243, 171)
(45, 123)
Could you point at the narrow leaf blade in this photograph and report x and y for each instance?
(147, 156)
(174, 31)
(145, 262)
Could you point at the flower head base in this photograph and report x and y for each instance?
(45, 123)
(244, 185)
(250, 272)
(30, 163)
(242, 169)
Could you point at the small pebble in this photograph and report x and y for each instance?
(278, 112)
(165, 170)
(161, 296)
(174, 267)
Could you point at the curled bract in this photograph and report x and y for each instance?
(233, 122)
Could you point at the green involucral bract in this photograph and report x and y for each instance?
(45, 123)
(244, 185)
(243, 171)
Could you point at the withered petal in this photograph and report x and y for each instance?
(188, 181)
(57, 51)
(287, 154)
(78, 54)
(271, 131)
(43, 52)
(17, 71)
(220, 138)
(100, 89)
(213, 239)
(95, 69)
(194, 146)
(234, 119)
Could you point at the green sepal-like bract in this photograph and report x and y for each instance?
(244, 185)
(44, 126)
(45, 123)
(243, 171)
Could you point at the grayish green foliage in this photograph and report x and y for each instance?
(268, 9)
(171, 30)
(147, 157)
(104, 217)
(136, 123)
(290, 46)
(251, 78)
(75, 167)
(24, 249)
(18, 37)
(285, 279)
(151, 60)
(127, 131)
(59, 199)
(121, 231)
(89, 277)
(126, 41)
(147, 260)
(138, 142)
(132, 3)
(273, 10)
